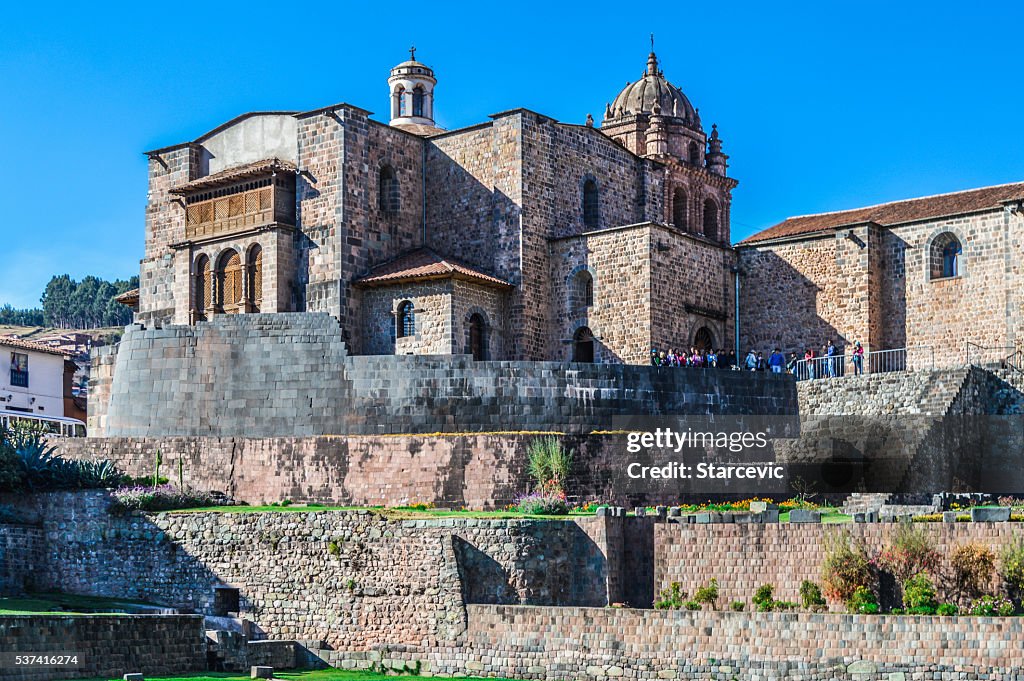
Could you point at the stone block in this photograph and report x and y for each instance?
(258, 672)
(761, 506)
(133, 677)
(803, 516)
(949, 516)
(765, 517)
(990, 515)
(702, 518)
(859, 517)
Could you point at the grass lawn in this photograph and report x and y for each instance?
(311, 675)
(64, 604)
(827, 517)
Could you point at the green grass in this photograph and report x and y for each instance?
(827, 517)
(64, 604)
(310, 675)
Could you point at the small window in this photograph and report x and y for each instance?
(19, 370)
(590, 204)
(679, 209)
(406, 320)
(403, 105)
(583, 290)
(710, 219)
(694, 153)
(945, 254)
(388, 198)
(417, 101)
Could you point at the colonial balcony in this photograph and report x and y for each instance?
(239, 200)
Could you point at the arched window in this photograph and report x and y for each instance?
(255, 283)
(417, 101)
(583, 345)
(591, 208)
(406, 320)
(694, 153)
(229, 283)
(945, 254)
(679, 209)
(204, 287)
(582, 290)
(710, 219)
(703, 340)
(396, 101)
(403, 102)
(388, 198)
(477, 337)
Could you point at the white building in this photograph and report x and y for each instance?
(31, 378)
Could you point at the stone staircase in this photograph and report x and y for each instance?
(862, 502)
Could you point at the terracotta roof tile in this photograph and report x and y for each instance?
(424, 264)
(897, 212)
(129, 297)
(235, 174)
(19, 344)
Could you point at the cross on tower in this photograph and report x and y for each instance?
(412, 53)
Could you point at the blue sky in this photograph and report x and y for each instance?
(822, 106)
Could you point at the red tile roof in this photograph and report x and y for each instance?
(424, 264)
(29, 346)
(897, 212)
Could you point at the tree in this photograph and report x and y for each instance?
(86, 304)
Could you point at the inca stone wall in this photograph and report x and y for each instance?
(744, 556)
(289, 375)
(20, 552)
(106, 646)
(876, 287)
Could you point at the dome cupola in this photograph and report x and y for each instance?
(412, 93)
(653, 95)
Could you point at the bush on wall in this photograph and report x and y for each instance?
(1011, 567)
(846, 567)
(28, 463)
(973, 565)
(910, 551)
(549, 463)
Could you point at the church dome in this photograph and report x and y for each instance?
(653, 94)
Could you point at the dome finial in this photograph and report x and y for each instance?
(412, 53)
(652, 61)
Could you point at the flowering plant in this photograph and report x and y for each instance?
(161, 498)
(543, 502)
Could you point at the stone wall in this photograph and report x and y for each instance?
(106, 646)
(290, 375)
(20, 552)
(326, 576)
(743, 556)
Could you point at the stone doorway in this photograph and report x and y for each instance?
(583, 345)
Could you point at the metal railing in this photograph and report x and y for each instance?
(19, 379)
(875, 362)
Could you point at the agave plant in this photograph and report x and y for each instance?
(41, 468)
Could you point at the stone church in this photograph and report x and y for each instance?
(518, 238)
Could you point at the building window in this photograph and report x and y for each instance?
(417, 101)
(388, 198)
(229, 283)
(19, 370)
(406, 320)
(583, 345)
(204, 288)
(583, 290)
(679, 209)
(477, 337)
(694, 154)
(590, 204)
(403, 105)
(945, 255)
(255, 278)
(710, 219)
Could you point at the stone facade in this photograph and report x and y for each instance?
(350, 194)
(107, 647)
(265, 376)
(869, 275)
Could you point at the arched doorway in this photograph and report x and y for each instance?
(583, 345)
(703, 340)
(229, 282)
(477, 337)
(256, 278)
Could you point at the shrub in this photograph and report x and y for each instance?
(946, 610)
(810, 596)
(692, 605)
(737, 606)
(545, 502)
(990, 606)
(862, 602)
(671, 598)
(708, 594)
(549, 463)
(846, 567)
(763, 598)
(162, 498)
(973, 566)
(10, 471)
(919, 595)
(783, 606)
(1011, 565)
(910, 551)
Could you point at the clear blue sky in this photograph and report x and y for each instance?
(822, 106)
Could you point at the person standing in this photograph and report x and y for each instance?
(830, 352)
(751, 361)
(776, 361)
(809, 361)
(858, 358)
